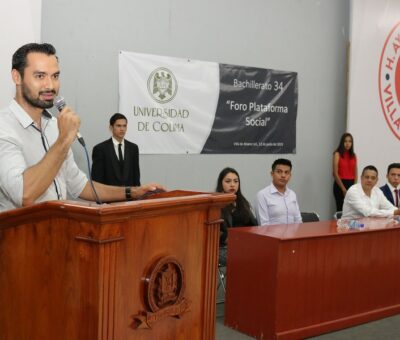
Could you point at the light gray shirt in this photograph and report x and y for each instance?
(23, 145)
(357, 204)
(274, 207)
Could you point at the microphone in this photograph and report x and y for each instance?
(59, 103)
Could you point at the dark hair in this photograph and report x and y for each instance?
(369, 167)
(242, 205)
(393, 166)
(341, 148)
(19, 59)
(281, 161)
(115, 117)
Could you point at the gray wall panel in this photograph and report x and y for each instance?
(306, 36)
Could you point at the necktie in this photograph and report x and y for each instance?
(396, 195)
(120, 157)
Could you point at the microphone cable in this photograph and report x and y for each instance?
(60, 103)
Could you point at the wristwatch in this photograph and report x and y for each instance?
(128, 194)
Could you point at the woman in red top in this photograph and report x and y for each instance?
(344, 168)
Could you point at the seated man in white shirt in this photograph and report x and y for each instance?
(276, 203)
(366, 200)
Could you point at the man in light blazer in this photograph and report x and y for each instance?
(391, 189)
(116, 160)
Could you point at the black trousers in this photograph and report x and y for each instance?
(338, 193)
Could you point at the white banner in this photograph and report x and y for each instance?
(164, 101)
(374, 84)
(180, 106)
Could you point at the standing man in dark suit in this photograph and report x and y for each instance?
(391, 189)
(116, 160)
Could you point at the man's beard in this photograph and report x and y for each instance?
(36, 102)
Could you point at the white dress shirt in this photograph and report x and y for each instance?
(274, 207)
(358, 204)
(116, 143)
(22, 145)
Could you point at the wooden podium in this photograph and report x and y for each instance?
(131, 270)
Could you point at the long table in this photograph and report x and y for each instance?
(300, 280)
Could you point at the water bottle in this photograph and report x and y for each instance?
(354, 224)
(344, 223)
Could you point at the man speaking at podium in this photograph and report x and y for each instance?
(36, 160)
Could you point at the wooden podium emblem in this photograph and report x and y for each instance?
(163, 292)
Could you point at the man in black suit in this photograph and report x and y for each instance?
(116, 160)
(391, 189)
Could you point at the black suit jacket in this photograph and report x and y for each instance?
(388, 193)
(106, 168)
